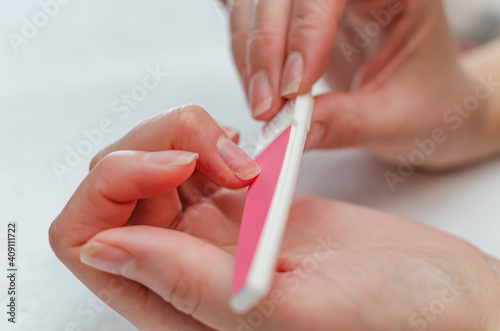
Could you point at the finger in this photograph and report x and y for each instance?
(231, 132)
(206, 221)
(240, 11)
(104, 200)
(231, 203)
(190, 128)
(107, 197)
(339, 120)
(345, 227)
(196, 188)
(265, 55)
(152, 211)
(313, 28)
(193, 276)
(363, 119)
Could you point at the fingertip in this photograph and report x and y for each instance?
(292, 75)
(126, 176)
(315, 136)
(231, 132)
(265, 116)
(311, 37)
(104, 257)
(260, 94)
(269, 114)
(236, 160)
(249, 173)
(134, 252)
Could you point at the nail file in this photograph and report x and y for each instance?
(278, 153)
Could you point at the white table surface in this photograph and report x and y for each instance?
(65, 80)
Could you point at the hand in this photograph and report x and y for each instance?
(166, 266)
(392, 66)
(148, 178)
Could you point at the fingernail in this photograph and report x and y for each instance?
(260, 94)
(171, 158)
(231, 132)
(237, 160)
(292, 74)
(315, 136)
(105, 257)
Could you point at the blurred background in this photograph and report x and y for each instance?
(58, 86)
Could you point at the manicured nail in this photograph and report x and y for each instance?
(237, 160)
(315, 136)
(292, 74)
(260, 94)
(106, 258)
(171, 158)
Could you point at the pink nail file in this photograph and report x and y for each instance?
(279, 151)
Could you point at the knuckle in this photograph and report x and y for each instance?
(233, 5)
(263, 38)
(308, 24)
(190, 115)
(189, 120)
(303, 28)
(62, 246)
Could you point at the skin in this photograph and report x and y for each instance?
(157, 239)
(389, 87)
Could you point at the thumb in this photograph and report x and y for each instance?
(187, 272)
(339, 120)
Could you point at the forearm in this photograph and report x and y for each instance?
(474, 118)
(485, 62)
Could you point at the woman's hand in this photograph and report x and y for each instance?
(161, 236)
(396, 79)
